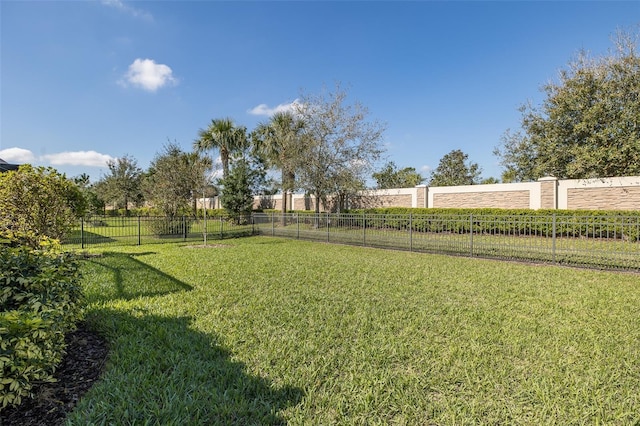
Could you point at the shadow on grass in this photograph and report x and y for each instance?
(75, 237)
(162, 371)
(123, 276)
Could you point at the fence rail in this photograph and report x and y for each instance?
(608, 242)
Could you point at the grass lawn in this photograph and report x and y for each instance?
(268, 331)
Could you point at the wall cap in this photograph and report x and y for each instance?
(547, 179)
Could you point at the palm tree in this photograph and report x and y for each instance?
(224, 135)
(279, 141)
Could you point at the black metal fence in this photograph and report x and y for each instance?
(104, 230)
(608, 242)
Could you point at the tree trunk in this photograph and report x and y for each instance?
(316, 208)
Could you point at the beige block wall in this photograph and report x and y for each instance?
(618, 193)
(303, 203)
(397, 200)
(267, 202)
(620, 198)
(499, 200)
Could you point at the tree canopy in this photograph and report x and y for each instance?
(453, 169)
(340, 146)
(223, 135)
(174, 178)
(588, 125)
(392, 177)
(123, 183)
(94, 204)
(280, 142)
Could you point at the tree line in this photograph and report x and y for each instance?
(323, 146)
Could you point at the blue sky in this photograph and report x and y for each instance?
(85, 81)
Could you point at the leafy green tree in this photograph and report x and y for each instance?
(340, 146)
(36, 204)
(94, 204)
(392, 177)
(174, 179)
(454, 169)
(223, 135)
(588, 125)
(237, 193)
(280, 142)
(123, 184)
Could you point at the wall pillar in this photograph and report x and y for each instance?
(548, 192)
(422, 196)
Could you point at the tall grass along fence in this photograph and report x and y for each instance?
(606, 241)
(105, 230)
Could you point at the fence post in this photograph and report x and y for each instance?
(364, 229)
(221, 228)
(139, 236)
(273, 226)
(298, 226)
(184, 228)
(410, 231)
(82, 232)
(553, 239)
(204, 225)
(327, 226)
(471, 234)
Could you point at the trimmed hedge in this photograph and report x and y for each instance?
(150, 212)
(40, 301)
(615, 224)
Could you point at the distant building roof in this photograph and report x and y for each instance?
(5, 167)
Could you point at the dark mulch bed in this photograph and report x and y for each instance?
(80, 368)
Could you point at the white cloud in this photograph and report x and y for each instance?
(70, 158)
(263, 109)
(17, 155)
(78, 158)
(426, 169)
(148, 75)
(130, 10)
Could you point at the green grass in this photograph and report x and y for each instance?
(269, 331)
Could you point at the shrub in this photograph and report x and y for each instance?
(37, 203)
(165, 226)
(40, 301)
